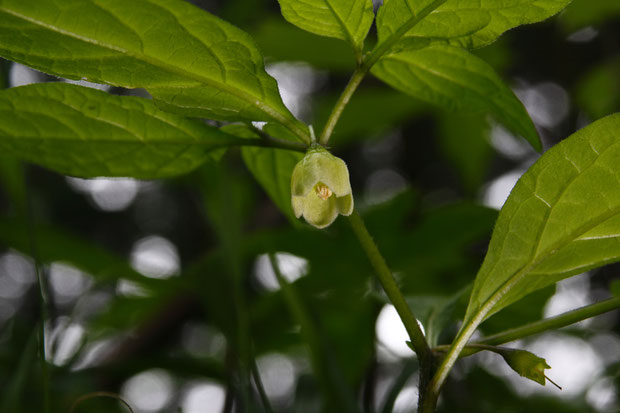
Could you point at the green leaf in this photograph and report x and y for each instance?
(348, 20)
(457, 80)
(474, 24)
(190, 61)
(273, 168)
(86, 132)
(396, 17)
(561, 219)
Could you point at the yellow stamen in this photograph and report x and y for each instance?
(323, 191)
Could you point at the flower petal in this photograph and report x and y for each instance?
(320, 213)
(298, 205)
(345, 204)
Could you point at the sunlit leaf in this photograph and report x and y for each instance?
(190, 61)
(474, 24)
(86, 132)
(397, 17)
(561, 219)
(343, 19)
(456, 80)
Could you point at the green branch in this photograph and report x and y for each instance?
(364, 66)
(261, 388)
(342, 102)
(383, 273)
(387, 44)
(418, 341)
(552, 323)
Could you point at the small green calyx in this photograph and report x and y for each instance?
(320, 188)
(527, 365)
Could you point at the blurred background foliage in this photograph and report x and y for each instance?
(164, 292)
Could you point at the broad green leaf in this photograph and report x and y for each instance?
(561, 219)
(348, 20)
(397, 17)
(190, 61)
(273, 168)
(456, 80)
(472, 24)
(86, 132)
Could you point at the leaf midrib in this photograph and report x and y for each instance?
(222, 144)
(344, 26)
(267, 109)
(393, 38)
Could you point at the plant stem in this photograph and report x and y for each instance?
(261, 389)
(383, 273)
(552, 323)
(364, 66)
(391, 289)
(342, 102)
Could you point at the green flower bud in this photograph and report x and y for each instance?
(527, 364)
(320, 188)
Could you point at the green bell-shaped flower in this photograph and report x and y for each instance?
(320, 187)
